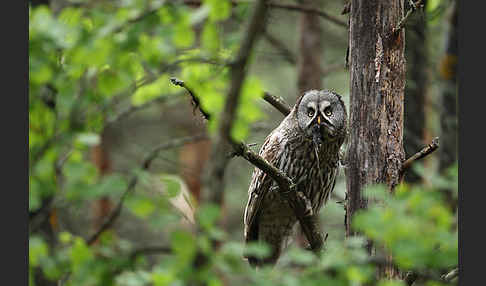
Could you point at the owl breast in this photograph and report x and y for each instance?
(314, 171)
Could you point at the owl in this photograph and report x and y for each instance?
(305, 146)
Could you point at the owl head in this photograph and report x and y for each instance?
(321, 115)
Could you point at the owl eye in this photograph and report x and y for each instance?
(328, 111)
(310, 112)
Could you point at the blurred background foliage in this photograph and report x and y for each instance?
(101, 103)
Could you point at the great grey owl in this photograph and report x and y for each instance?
(305, 146)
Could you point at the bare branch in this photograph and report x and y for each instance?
(195, 100)
(346, 8)
(402, 22)
(277, 102)
(421, 154)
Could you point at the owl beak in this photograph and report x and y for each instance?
(318, 119)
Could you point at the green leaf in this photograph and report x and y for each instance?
(40, 75)
(391, 283)
(111, 81)
(153, 49)
(207, 215)
(184, 246)
(81, 254)
(219, 9)
(160, 278)
(135, 278)
(110, 185)
(141, 206)
(156, 89)
(210, 37)
(65, 237)
(257, 249)
(359, 275)
(183, 35)
(88, 139)
(301, 256)
(38, 250)
(248, 110)
(172, 184)
(34, 194)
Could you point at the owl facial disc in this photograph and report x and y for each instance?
(321, 116)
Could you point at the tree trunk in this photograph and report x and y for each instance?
(416, 89)
(377, 69)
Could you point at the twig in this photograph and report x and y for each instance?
(195, 100)
(402, 22)
(145, 166)
(346, 8)
(277, 102)
(298, 8)
(422, 153)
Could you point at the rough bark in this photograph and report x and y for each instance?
(416, 89)
(377, 69)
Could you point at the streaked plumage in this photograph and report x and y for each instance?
(306, 148)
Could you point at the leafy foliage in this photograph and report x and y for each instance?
(86, 59)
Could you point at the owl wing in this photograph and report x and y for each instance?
(260, 184)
